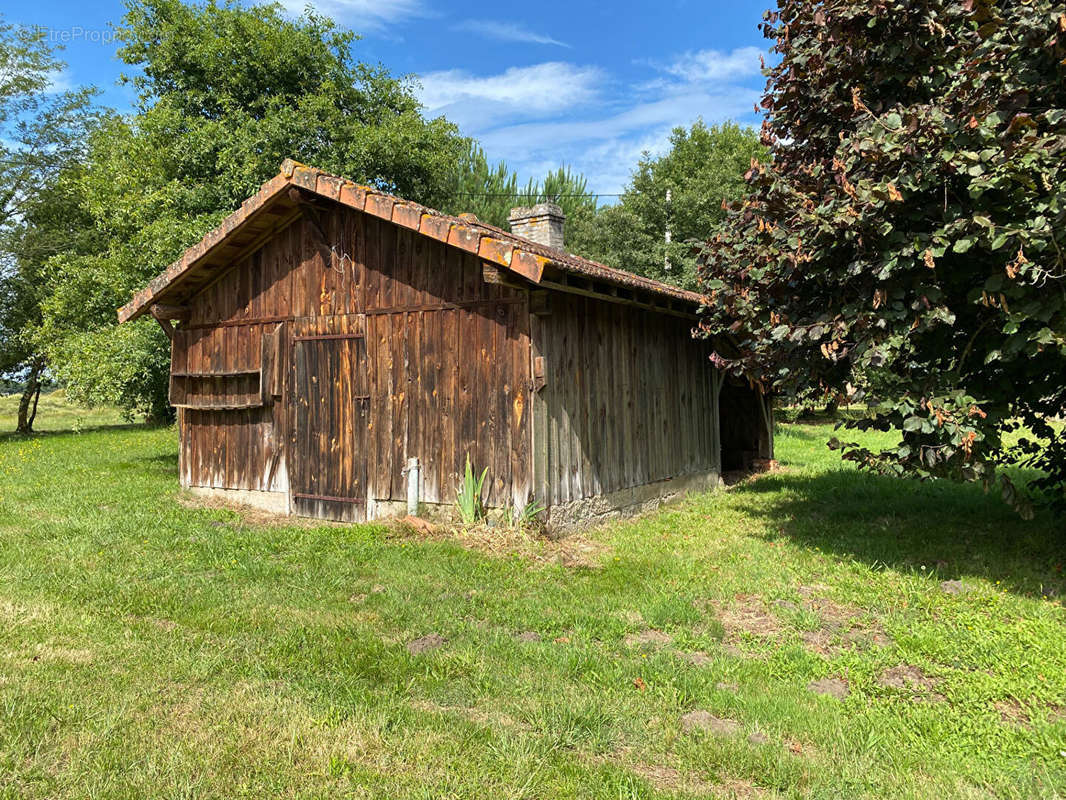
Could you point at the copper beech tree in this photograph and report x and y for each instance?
(906, 236)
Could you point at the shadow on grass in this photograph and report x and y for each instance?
(12, 436)
(953, 531)
(165, 461)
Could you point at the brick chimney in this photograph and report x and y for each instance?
(542, 223)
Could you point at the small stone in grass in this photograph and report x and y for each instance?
(528, 636)
(423, 643)
(705, 721)
(758, 738)
(833, 687)
(954, 587)
(727, 686)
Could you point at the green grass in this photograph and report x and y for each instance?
(150, 649)
(54, 413)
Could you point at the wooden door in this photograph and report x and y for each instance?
(330, 399)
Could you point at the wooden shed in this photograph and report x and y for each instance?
(327, 336)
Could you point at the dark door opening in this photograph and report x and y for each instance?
(743, 418)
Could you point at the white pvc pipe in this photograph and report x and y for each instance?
(412, 487)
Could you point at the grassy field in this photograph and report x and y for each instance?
(149, 648)
(54, 413)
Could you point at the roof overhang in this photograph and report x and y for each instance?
(283, 198)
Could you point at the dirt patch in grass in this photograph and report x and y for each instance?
(748, 614)
(668, 779)
(906, 676)
(12, 613)
(479, 716)
(574, 551)
(706, 721)
(842, 627)
(736, 789)
(648, 639)
(155, 622)
(424, 644)
(697, 658)
(672, 781)
(54, 653)
(1011, 712)
(819, 641)
(833, 615)
(830, 687)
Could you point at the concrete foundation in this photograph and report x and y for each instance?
(272, 502)
(627, 502)
(559, 518)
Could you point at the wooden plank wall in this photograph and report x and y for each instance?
(447, 357)
(629, 398)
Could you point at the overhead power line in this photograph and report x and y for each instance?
(542, 194)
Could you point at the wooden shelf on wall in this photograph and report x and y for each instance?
(232, 389)
(217, 391)
(239, 374)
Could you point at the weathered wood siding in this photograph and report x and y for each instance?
(446, 360)
(628, 399)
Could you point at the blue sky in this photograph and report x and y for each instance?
(586, 84)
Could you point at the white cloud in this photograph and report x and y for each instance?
(506, 32)
(714, 65)
(679, 109)
(606, 147)
(562, 114)
(541, 89)
(61, 81)
(367, 14)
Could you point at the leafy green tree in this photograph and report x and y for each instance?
(41, 136)
(907, 235)
(226, 93)
(490, 192)
(704, 166)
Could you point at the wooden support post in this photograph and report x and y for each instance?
(167, 327)
(164, 311)
(538, 395)
(163, 314)
(768, 422)
(717, 379)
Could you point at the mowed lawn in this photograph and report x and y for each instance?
(153, 649)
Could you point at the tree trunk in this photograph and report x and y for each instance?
(30, 396)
